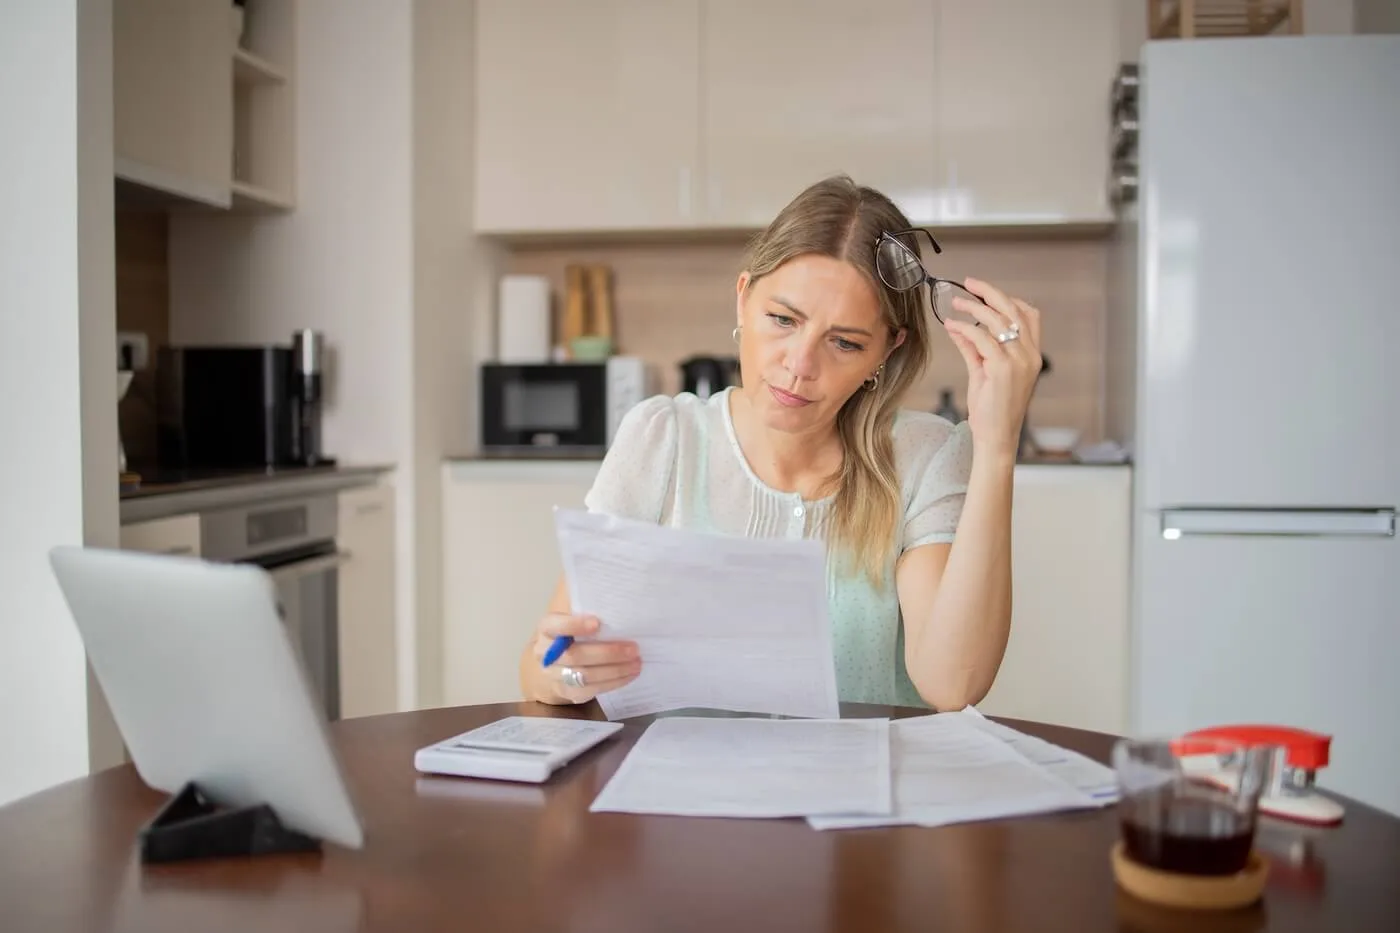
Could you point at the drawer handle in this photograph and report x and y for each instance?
(369, 508)
(179, 549)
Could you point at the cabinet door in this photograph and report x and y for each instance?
(178, 534)
(1023, 106)
(368, 641)
(172, 96)
(1067, 660)
(501, 566)
(795, 90)
(586, 114)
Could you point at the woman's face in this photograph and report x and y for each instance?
(812, 333)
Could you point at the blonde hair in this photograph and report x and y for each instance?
(842, 220)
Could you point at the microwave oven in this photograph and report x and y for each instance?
(557, 409)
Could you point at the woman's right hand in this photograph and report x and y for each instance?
(604, 665)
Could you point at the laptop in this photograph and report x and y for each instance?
(204, 683)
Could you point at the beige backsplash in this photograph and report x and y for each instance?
(676, 299)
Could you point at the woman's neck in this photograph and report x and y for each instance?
(805, 463)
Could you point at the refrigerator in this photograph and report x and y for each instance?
(1254, 375)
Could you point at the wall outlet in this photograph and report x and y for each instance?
(133, 350)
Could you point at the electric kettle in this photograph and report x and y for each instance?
(703, 376)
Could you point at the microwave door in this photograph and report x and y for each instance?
(558, 408)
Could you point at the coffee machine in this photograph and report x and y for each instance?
(241, 407)
(307, 353)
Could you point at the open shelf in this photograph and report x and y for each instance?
(252, 69)
(264, 109)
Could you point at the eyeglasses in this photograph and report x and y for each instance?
(899, 268)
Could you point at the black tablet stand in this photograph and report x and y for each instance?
(191, 826)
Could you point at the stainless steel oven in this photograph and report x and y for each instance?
(294, 540)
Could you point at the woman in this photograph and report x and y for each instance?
(814, 444)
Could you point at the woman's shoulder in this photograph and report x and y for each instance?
(922, 438)
(918, 430)
(658, 421)
(661, 413)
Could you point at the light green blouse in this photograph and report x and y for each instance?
(676, 461)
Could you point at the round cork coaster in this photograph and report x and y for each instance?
(1204, 892)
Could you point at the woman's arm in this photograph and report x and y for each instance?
(605, 665)
(956, 598)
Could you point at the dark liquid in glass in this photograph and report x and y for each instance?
(1173, 832)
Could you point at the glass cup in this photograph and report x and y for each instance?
(1190, 805)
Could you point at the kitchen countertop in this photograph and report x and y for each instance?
(165, 494)
(494, 469)
(1044, 460)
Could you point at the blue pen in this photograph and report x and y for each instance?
(556, 648)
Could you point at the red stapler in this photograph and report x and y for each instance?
(1290, 793)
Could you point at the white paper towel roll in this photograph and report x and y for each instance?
(522, 320)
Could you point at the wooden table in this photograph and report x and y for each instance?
(446, 854)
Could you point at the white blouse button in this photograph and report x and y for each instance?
(799, 511)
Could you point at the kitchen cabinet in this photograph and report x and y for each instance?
(502, 565)
(587, 114)
(368, 639)
(1066, 662)
(1023, 110)
(795, 90)
(202, 111)
(1067, 659)
(629, 115)
(172, 96)
(178, 534)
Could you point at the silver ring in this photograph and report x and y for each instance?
(571, 677)
(1007, 336)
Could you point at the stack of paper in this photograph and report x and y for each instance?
(691, 766)
(927, 771)
(950, 768)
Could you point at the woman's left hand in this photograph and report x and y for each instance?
(1001, 375)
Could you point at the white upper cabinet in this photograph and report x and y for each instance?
(587, 114)
(795, 90)
(172, 96)
(692, 114)
(1023, 109)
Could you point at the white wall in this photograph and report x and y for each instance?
(452, 276)
(57, 377)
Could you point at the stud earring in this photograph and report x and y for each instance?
(735, 335)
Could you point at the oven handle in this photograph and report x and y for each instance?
(305, 568)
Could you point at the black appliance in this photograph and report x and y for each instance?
(307, 352)
(557, 409)
(703, 376)
(236, 407)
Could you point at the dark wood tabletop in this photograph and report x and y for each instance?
(461, 855)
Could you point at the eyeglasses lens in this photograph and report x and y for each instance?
(898, 265)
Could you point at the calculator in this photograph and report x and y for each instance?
(516, 748)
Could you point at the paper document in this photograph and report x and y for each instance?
(749, 767)
(947, 770)
(1097, 780)
(721, 622)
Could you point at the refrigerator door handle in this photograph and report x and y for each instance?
(1180, 523)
